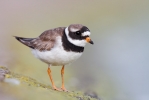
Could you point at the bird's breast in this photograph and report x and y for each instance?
(56, 56)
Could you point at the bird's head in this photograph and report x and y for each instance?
(78, 34)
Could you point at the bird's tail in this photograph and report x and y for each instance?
(25, 41)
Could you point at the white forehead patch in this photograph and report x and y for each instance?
(81, 43)
(87, 33)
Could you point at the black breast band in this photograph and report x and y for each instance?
(68, 46)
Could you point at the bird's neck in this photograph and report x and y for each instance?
(68, 46)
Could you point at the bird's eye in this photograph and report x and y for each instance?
(78, 33)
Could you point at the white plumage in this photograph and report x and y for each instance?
(57, 55)
(86, 33)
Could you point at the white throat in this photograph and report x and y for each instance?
(81, 43)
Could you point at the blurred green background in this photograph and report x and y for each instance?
(116, 67)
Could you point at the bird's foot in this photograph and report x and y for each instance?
(64, 89)
(57, 89)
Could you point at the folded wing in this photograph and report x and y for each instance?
(45, 41)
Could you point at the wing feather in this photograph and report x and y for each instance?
(47, 39)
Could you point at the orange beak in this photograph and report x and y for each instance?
(88, 39)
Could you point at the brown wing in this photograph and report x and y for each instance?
(47, 39)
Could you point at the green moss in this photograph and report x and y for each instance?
(33, 85)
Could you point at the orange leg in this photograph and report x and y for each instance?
(62, 75)
(50, 75)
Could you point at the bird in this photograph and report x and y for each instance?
(59, 47)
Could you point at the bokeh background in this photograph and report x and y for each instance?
(116, 67)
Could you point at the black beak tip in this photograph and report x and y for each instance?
(91, 42)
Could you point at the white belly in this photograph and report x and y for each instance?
(56, 56)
